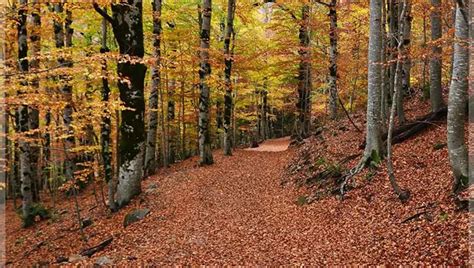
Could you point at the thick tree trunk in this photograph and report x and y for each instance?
(150, 152)
(228, 102)
(435, 61)
(127, 25)
(205, 152)
(128, 30)
(333, 95)
(458, 96)
(26, 176)
(304, 85)
(373, 147)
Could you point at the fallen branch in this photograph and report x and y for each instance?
(91, 251)
(408, 130)
(415, 216)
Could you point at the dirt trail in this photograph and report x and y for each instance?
(275, 145)
(235, 212)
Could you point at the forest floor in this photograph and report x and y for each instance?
(240, 211)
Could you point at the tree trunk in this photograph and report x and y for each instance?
(435, 61)
(385, 71)
(106, 126)
(458, 96)
(373, 147)
(23, 121)
(128, 30)
(205, 152)
(402, 195)
(63, 36)
(127, 25)
(33, 117)
(69, 162)
(333, 96)
(150, 152)
(403, 33)
(304, 84)
(228, 102)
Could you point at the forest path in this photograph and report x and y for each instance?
(232, 212)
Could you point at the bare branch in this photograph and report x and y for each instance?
(103, 13)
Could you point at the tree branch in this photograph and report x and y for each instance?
(322, 3)
(103, 13)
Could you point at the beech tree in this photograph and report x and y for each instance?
(373, 147)
(150, 153)
(435, 60)
(304, 76)
(205, 152)
(127, 25)
(23, 120)
(458, 96)
(228, 102)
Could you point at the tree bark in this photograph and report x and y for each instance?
(333, 95)
(458, 96)
(205, 152)
(33, 117)
(373, 146)
(127, 25)
(402, 194)
(23, 121)
(106, 126)
(304, 84)
(435, 61)
(150, 152)
(128, 31)
(228, 60)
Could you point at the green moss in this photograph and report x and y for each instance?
(439, 145)
(36, 210)
(301, 201)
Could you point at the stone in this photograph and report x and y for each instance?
(76, 258)
(135, 216)
(104, 260)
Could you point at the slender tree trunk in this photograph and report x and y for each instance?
(435, 59)
(385, 71)
(263, 114)
(172, 137)
(228, 60)
(150, 153)
(407, 25)
(333, 95)
(106, 126)
(66, 90)
(373, 147)
(403, 195)
(33, 117)
(23, 120)
(403, 33)
(392, 45)
(458, 96)
(205, 152)
(304, 84)
(127, 25)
